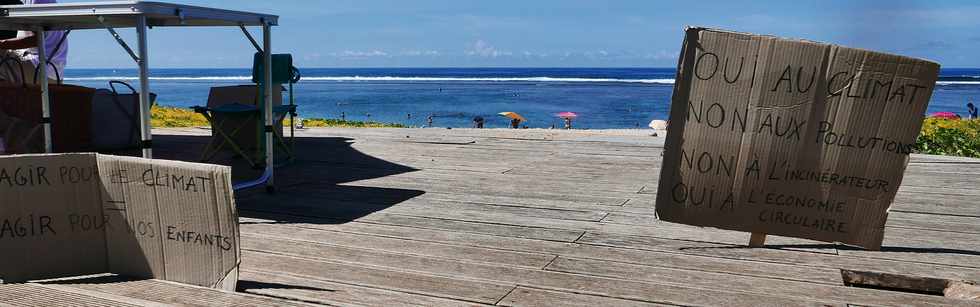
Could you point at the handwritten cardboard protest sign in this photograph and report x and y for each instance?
(790, 137)
(76, 214)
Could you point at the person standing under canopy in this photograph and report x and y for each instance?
(19, 55)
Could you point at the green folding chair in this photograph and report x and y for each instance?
(228, 121)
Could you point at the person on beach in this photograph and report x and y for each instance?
(19, 55)
(478, 122)
(515, 123)
(568, 123)
(972, 110)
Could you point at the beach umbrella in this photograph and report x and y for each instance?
(945, 115)
(658, 124)
(567, 115)
(513, 115)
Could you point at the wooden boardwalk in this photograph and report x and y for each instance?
(436, 217)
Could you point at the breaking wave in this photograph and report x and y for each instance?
(942, 81)
(392, 79)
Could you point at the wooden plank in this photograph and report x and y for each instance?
(509, 230)
(441, 269)
(169, 293)
(447, 236)
(314, 291)
(939, 191)
(936, 222)
(936, 203)
(463, 240)
(328, 206)
(255, 238)
(899, 219)
(531, 297)
(783, 256)
(536, 203)
(671, 230)
(30, 295)
(376, 277)
(925, 246)
(803, 290)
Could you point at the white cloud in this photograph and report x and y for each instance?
(483, 49)
(662, 55)
(420, 53)
(359, 54)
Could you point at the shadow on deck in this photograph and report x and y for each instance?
(311, 189)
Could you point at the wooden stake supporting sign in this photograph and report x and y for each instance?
(758, 239)
(789, 137)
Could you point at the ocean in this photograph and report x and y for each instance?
(602, 97)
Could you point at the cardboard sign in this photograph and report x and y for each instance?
(76, 214)
(790, 137)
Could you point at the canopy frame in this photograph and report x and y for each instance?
(142, 15)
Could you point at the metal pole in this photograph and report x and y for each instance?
(267, 99)
(250, 38)
(146, 134)
(42, 64)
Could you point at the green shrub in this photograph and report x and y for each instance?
(950, 137)
(327, 122)
(172, 117)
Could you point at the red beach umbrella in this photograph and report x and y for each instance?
(567, 115)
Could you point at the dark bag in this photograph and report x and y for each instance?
(116, 118)
(71, 108)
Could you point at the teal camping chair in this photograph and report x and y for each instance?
(234, 123)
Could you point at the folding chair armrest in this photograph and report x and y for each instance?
(200, 109)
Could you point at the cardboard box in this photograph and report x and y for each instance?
(790, 137)
(76, 214)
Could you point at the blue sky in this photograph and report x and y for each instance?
(542, 33)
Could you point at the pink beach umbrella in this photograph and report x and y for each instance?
(945, 115)
(567, 115)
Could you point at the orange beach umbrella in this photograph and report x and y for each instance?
(513, 115)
